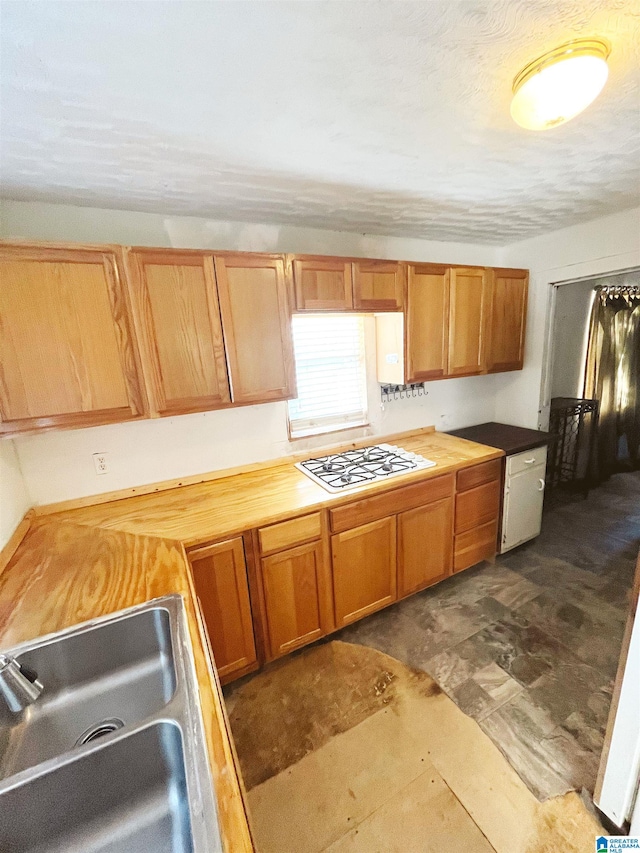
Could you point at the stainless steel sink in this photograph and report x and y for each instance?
(111, 758)
(96, 680)
(128, 796)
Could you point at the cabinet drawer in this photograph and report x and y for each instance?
(469, 478)
(477, 506)
(475, 545)
(390, 503)
(276, 537)
(529, 459)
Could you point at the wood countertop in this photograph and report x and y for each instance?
(89, 562)
(201, 513)
(63, 574)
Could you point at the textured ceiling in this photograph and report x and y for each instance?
(384, 117)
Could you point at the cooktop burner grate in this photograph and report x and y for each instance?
(354, 468)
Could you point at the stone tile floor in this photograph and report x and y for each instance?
(529, 646)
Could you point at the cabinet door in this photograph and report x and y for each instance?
(427, 322)
(467, 320)
(364, 570)
(507, 321)
(425, 546)
(378, 285)
(220, 578)
(178, 319)
(296, 594)
(67, 357)
(257, 327)
(322, 284)
(523, 499)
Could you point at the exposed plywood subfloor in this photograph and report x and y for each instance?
(406, 771)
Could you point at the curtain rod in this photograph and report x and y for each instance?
(618, 289)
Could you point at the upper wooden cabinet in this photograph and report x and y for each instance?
(468, 312)
(257, 326)
(341, 284)
(322, 284)
(427, 322)
(378, 285)
(67, 357)
(177, 317)
(99, 334)
(507, 319)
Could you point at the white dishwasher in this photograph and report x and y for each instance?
(523, 497)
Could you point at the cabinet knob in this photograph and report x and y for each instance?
(529, 461)
(541, 489)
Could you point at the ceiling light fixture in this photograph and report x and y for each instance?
(560, 84)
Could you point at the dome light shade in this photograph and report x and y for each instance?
(560, 84)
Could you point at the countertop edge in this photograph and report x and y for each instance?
(112, 516)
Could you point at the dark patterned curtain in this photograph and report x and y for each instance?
(612, 377)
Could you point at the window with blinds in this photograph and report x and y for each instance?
(330, 372)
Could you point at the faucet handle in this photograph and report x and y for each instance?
(19, 686)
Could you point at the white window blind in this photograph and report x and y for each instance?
(330, 372)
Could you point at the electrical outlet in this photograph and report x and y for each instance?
(101, 463)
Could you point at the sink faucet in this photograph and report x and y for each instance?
(19, 685)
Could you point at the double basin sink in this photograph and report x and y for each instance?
(111, 757)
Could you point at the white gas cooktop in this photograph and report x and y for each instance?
(353, 468)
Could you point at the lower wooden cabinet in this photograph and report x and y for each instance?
(425, 546)
(478, 506)
(477, 512)
(364, 570)
(475, 545)
(220, 578)
(297, 597)
(383, 547)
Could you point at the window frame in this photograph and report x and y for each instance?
(343, 426)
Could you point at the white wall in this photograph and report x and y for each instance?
(622, 771)
(593, 248)
(58, 465)
(14, 500)
(38, 221)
